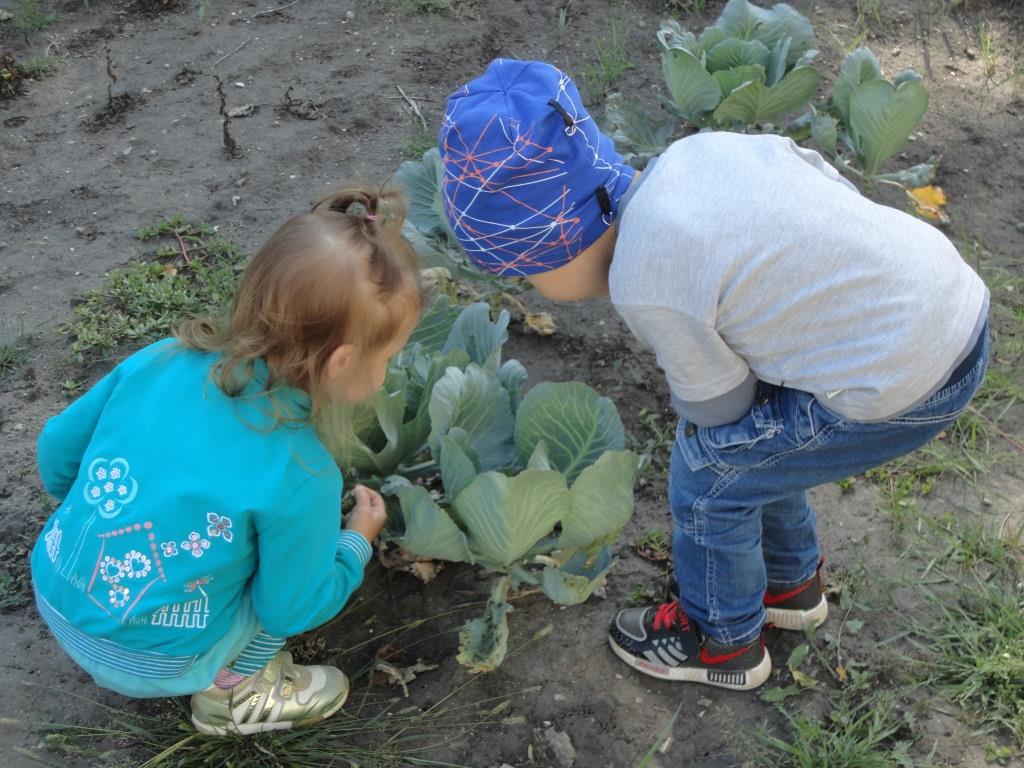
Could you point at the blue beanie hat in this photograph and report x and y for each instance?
(529, 180)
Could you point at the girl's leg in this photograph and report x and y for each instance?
(254, 657)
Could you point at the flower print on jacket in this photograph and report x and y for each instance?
(195, 544)
(111, 570)
(136, 565)
(119, 594)
(110, 486)
(219, 525)
(169, 547)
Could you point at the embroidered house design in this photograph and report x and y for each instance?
(190, 614)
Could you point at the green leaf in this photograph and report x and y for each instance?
(539, 459)
(513, 377)
(637, 136)
(577, 424)
(429, 532)
(854, 626)
(905, 77)
(757, 103)
(457, 468)
(709, 38)
(919, 175)
(859, 66)
(576, 580)
(693, 90)
(483, 642)
(777, 62)
(737, 53)
(481, 338)
(672, 35)
(434, 326)
(475, 401)
(824, 131)
(778, 694)
(882, 117)
(602, 500)
(439, 251)
(798, 656)
(418, 179)
(747, 22)
(505, 516)
(731, 79)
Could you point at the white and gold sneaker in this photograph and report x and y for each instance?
(282, 695)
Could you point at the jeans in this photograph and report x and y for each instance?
(739, 501)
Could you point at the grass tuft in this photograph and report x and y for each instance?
(975, 653)
(193, 273)
(612, 62)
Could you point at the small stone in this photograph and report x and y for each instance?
(560, 697)
(239, 84)
(562, 750)
(641, 23)
(970, 53)
(350, 15)
(896, 51)
(126, 151)
(704, 702)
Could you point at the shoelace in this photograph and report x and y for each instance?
(669, 614)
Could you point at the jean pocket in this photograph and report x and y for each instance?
(731, 445)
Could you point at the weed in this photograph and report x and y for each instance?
(862, 730)
(15, 586)
(612, 62)
(643, 594)
(656, 440)
(425, 6)
(29, 18)
(418, 143)
(563, 24)
(144, 301)
(868, 11)
(13, 354)
(972, 545)
(656, 544)
(204, 10)
(975, 652)
(39, 67)
(994, 58)
(846, 484)
(374, 732)
(72, 387)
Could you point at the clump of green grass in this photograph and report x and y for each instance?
(425, 6)
(373, 730)
(15, 585)
(195, 272)
(418, 143)
(655, 440)
(612, 62)
(975, 652)
(39, 67)
(13, 354)
(28, 18)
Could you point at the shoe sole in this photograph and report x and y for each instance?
(735, 680)
(787, 618)
(248, 729)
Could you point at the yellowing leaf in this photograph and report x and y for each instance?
(930, 202)
(841, 673)
(541, 323)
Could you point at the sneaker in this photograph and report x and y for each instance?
(281, 695)
(800, 606)
(660, 641)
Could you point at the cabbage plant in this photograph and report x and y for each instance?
(752, 66)
(871, 118)
(534, 489)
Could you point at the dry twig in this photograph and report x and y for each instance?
(270, 11)
(414, 105)
(231, 53)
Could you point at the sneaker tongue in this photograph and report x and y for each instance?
(690, 642)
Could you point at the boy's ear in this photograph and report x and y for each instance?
(340, 360)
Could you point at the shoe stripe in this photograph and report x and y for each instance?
(676, 653)
(721, 658)
(781, 597)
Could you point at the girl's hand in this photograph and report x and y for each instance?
(369, 514)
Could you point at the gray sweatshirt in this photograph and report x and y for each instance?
(744, 258)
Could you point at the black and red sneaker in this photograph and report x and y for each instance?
(800, 606)
(662, 642)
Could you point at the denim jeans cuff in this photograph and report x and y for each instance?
(780, 586)
(740, 636)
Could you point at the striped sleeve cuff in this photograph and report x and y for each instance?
(357, 544)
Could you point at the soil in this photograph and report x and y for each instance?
(87, 161)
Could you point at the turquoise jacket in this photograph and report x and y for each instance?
(176, 500)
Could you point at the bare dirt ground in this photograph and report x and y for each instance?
(79, 178)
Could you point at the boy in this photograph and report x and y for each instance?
(807, 335)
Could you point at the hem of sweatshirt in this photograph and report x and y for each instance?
(356, 543)
(972, 342)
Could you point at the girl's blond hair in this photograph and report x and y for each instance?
(340, 274)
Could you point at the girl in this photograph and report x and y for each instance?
(198, 525)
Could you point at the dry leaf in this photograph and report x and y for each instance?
(170, 270)
(394, 558)
(541, 323)
(244, 111)
(930, 202)
(841, 673)
(402, 676)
